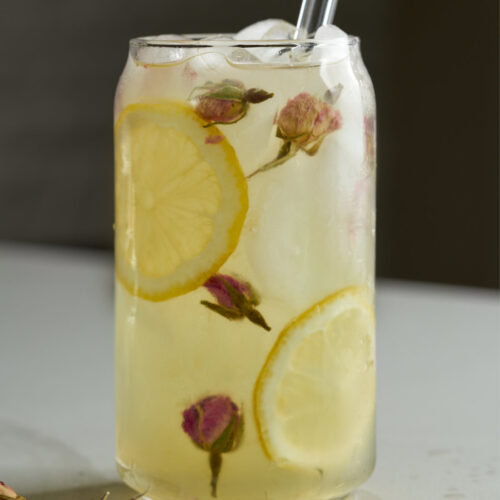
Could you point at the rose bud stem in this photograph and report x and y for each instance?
(215, 467)
(287, 151)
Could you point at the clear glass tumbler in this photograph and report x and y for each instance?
(245, 188)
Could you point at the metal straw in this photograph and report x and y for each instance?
(306, 22)
(305, 19)
(328, 8)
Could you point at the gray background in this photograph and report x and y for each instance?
(434, 67)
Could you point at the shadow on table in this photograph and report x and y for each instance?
(117, 491)
(361, 495)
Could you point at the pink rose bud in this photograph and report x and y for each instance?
(7, 492)
(217, 286)
(215, 425)
(216, 110)
(306, 119)
(236, 299)
(226, 102)
(303, 123)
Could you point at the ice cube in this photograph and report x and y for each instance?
(243, 56)
(270, 29)
(209, 63)
(330, 32)
(154, 52)
(220, 36)
(333, 44)
(212, 58)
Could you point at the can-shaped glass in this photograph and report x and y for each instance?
(244, 259)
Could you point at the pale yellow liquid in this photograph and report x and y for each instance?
(309, 232)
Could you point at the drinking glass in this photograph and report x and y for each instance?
(244, 252)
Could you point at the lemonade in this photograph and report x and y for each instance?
(245, 176)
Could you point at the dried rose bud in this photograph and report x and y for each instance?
(212, 423)
(215, 425)
(217, 286)
(236, 299)
(303, 124)
(216, 110)
(226, 102)
(6, 492)
(306, 119)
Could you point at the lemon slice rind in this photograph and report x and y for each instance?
(220, 160)
(273, 440)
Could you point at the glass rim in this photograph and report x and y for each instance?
(201, 41)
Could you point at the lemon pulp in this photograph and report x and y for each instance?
(181, 200)
(314, 398)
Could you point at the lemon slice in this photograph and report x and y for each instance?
(181, 199)
(314, 399)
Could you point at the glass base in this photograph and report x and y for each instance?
(349, 496)
(142, 484)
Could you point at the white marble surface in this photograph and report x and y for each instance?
(438, 383)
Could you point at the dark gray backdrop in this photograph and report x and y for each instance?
(434, 66)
